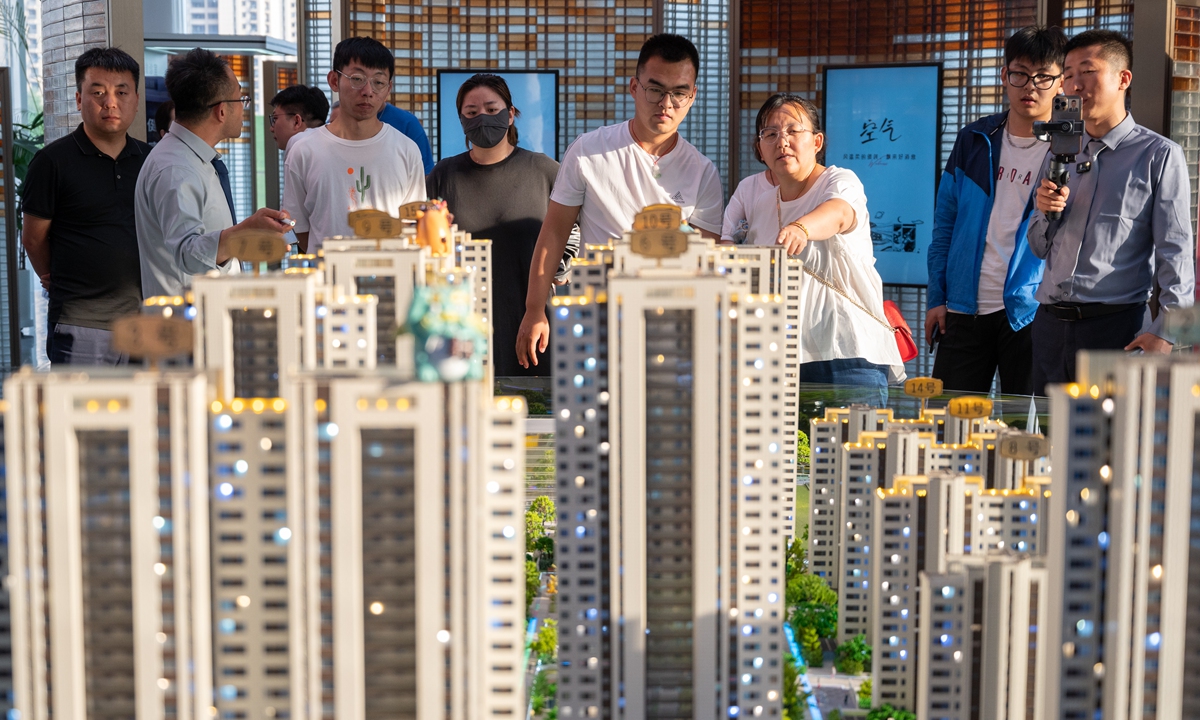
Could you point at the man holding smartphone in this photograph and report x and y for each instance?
(982, 275)
(1125, 225)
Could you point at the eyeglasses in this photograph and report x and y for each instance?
(791, 132)
(358, 82)
(245, 100)
(655, 95)
(1017, 78)
(275, 117)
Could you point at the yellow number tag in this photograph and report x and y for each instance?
(923, 387)
(152, 336)
(257, 246)
(969, 408)
(408, 211)
(658, 217)
(1023, 446)
(377, 224)
(658, 243)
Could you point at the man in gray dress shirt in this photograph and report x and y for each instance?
(1125, 226)
(184, 205)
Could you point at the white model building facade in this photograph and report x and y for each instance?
(411, 535)
(1123, 513)
(670, 549)
(107, 486)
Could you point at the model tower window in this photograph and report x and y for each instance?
(107, 573)
(669, 514)
(384, 288)
(255, 353)
(389, 567)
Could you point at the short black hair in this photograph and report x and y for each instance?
(671, 48)
(368, 51)
(308, 102)
(107, 58)
(1042, 46)
(1114, 47)
(195, 81)
(162, 116)
(777, 101)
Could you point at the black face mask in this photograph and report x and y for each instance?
(486, 131)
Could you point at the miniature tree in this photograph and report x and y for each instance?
(853, 655)
(864, 694)
(887, 712)
(810, 647)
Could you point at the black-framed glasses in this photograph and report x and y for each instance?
(1016, 78)
(245, 100)
(655, 95)
(275, 117)
(791, 132)
(358, 82)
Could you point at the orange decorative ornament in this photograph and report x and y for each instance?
(433, 228)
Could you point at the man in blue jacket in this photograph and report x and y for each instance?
(982, 273)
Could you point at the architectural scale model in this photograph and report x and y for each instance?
(676, 439)
(293, 526)
(256, 552)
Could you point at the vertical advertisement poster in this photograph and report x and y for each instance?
(535, 94)
(883, 123)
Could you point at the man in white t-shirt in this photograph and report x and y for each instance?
(608, 175)
(982, 272)
(356, 162)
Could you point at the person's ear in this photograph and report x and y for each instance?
(512, 115)
(332, 79)
(78, 101)
(818, 141)
(1126, 79)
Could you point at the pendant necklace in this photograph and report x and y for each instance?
(655, 170)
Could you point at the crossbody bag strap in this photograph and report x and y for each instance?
(853, 302)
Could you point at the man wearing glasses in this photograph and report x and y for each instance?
(183, 200)
(295, 111)
(356, 162)
(608, 175)
(982, 273)
(1124, 229)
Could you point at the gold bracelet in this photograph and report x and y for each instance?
(801, 226)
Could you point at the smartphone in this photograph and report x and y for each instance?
(935, 338)
(1068, 138)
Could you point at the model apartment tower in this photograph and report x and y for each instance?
(671, 499)
(409, 600)
(1121, 570)
(928, 525)
(390, 269)
(107, 491)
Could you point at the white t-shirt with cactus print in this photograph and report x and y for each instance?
(326, 177)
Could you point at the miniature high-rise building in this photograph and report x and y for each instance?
(1121, 540)
(411, 537)
(924, 525)
(826, 437)
(653, 603)
(980, 640)
(107, 485)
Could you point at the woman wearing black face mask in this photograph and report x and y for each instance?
(500, 192)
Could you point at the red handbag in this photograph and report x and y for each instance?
(894, 321)
(904, 338)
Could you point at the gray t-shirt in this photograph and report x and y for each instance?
(505, 203)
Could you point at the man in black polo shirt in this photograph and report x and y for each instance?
(78, 227)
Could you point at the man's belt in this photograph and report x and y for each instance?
(1084, 311)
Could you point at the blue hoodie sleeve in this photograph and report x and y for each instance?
(944, 216)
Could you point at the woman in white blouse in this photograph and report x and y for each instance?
(820, 214)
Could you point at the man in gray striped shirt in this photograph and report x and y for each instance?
(1125, 225)
(183, 200)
